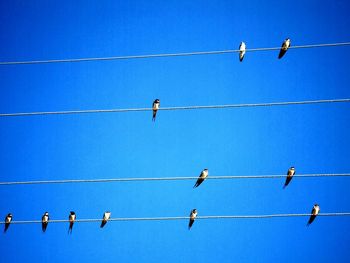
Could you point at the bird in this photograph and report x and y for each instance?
(8, 220)
(45, 221)
(241, 51)
(193, 216)
(155, 107)
(72, 217)
(290, 174)
(106, 217)
(284, 48)
(204, 174)
(315, 211)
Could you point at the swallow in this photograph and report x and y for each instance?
(284, 48)
(241, 51)
(45, 221)
(105, 218)
(290, 174)
(193, 216)
(71, 218)
(8, 220)
(204, 174)
(315, 211)
(155, 107)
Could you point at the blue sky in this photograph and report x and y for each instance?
(249, 141)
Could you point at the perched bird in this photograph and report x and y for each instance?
(204, 174)
(284, 48)
(290, 174)
(45, 221)
(155, 107)
(314, 213)
(241, 51)
(8, 220)
(193, 216)
(72, 218)
(106, 217)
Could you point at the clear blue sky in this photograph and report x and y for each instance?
(254, 141)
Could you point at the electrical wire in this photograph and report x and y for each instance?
(183, 54)
(168, 179)
(180, 218)
(244, 105)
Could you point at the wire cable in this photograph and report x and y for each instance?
(179, 218)
(182, 54)
(168, 179)
(244, 105)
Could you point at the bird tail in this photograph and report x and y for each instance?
(199, 182)
(281, 54)
(190, 224)
(288, 179)
(103, 223)
(70, 228)
(154, 115)
(312, 218)
(43, 227)
(6, 227)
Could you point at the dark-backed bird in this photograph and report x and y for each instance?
(242, 48)
(8, 220)
(155, 107)
(284, 48)
(314, 213)
(72, 217)
(193, 216)
(45, 221)
(105, 218)
(290, 174)
(204, 174)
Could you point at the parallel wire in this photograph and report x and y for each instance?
(242, 105)
(183, 54)
(167, 179)
(172, 108)
(180, 218)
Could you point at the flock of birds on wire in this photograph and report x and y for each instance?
(285, 45)
(204, 174)
(242, 49)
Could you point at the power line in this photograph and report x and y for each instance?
(182, 54)
(167, 179)
(180, 218)
(243, 105)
